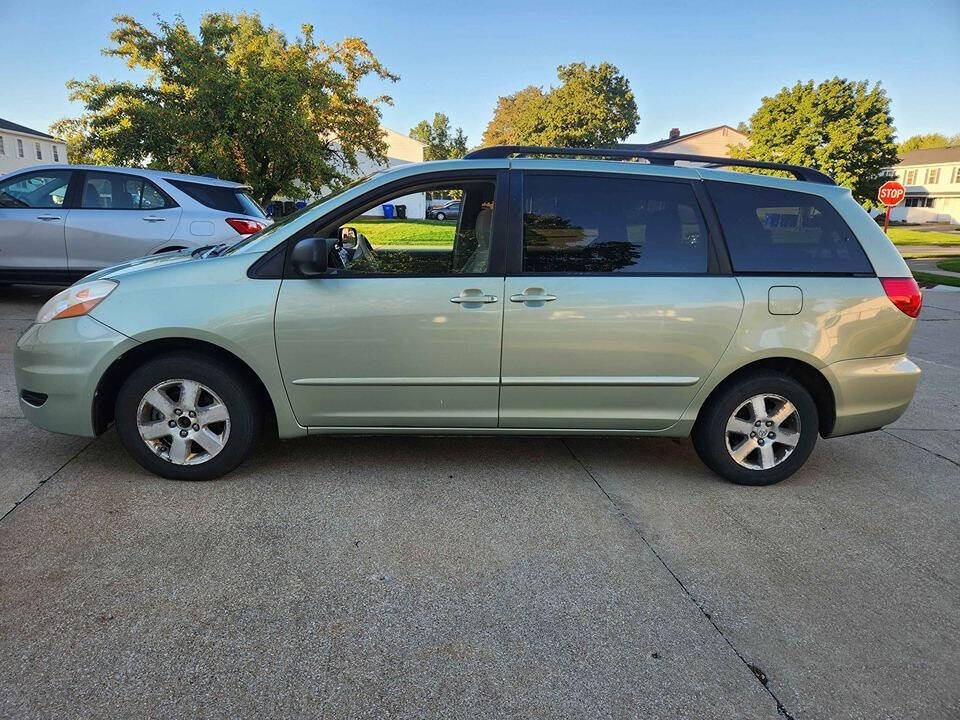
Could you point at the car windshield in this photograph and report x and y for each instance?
(271, 229)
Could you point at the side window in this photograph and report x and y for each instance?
(409, 244)
(772, 230)
(589, 224)
(150, 197)
(119, 191)
(43, 189)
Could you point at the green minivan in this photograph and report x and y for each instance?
(579, 292)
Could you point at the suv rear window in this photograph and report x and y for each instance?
(218, 197)
(590, 224)
(772, 230)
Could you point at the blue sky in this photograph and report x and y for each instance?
(691, 65)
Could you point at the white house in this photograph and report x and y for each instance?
(21, 147)
(401, 149)
(932, 180)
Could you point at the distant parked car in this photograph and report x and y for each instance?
(59, 223)
(449, 211)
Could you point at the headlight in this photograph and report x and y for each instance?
(77, 300)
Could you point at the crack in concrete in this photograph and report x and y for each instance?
(754, 670)
(921, 447)
(40, 484)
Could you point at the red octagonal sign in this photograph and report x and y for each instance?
(891, 193)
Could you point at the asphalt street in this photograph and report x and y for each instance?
(485, 577)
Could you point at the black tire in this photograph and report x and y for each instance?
(441, 217)
(710, 432)
(245, 415)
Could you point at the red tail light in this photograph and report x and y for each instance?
(245, 227)
(904, 293)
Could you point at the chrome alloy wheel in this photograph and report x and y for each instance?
(763, 431)
(183, 421)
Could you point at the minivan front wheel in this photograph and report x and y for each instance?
(759, 430)
(186, 417)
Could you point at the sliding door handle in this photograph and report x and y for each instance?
(535, 296)
(47, 218)
(154, 218)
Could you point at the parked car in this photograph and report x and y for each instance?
(579, 297)
(449, 211)
(59, 223)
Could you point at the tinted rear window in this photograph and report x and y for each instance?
(221, 198)
(589, 224)
(772, 230)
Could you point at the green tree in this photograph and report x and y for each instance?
(74, 132)
(442, 143)
(513, 117)
(841, 127)
(237, 100)
(924, 142)
(592, 106)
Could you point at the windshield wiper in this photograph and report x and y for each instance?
(217, 250)
(209, 250)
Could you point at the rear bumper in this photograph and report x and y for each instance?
(64, 360)
(870, 392)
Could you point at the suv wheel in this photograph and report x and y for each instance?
(759, 430)
(186, 417)
(441, 216)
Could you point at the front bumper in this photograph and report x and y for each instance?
(64, 360)
(870, 392)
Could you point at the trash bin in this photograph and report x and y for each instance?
(401, 212)
(388, 211)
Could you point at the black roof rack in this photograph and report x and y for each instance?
(655, 158)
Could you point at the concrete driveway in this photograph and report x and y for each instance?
(485, 577)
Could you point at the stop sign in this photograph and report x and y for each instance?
(891, 193)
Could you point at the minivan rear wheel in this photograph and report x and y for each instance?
(759, 430)
(187, 417)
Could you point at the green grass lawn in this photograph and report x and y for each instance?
(952, 265)
(909, 236)
(406, 232)
(924, 278)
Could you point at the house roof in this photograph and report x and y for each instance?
(680, 138)
(931, 156)
(14, 127)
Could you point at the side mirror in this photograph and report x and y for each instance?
(311, 256)
(349, 238)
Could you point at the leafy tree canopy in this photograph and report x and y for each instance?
(840, 127)
(930, 140)
(441, 142)
(237, 100)
(592, 106)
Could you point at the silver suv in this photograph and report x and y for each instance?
(572, 297)
(59, 223)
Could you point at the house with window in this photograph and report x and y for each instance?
(21, 146)
(932, 180)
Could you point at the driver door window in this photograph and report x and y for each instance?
(415, 245)
(41, 190)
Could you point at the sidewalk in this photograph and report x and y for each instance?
(933, 250)
(930, 266)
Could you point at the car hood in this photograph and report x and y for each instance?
(177, 257)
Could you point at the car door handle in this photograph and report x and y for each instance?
(533, 295)
(154, 218)
(47, 218)
(468, 297)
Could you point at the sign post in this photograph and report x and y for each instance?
(891, 194)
